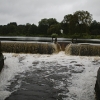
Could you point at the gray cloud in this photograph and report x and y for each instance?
(32, 11)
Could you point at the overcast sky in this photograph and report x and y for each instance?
(32, 11)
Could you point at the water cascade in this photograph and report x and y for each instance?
(83, 49)
(48, 77)
(29, 47)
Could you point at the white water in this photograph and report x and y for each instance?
(81, 74)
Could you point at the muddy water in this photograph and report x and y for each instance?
(84, 49)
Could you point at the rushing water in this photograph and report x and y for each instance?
(85, 49)
(51, 76)
(63, 77)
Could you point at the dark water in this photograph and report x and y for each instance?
(42, 39)
(46, 39)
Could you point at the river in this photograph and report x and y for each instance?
(48, 77)
(46, 39)
(55, 76)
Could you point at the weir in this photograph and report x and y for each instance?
(79, 49)
(84, 49)
(34, 77)
(30, 47)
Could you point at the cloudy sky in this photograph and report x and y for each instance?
(32, 11)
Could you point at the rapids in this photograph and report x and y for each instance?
(72, 77)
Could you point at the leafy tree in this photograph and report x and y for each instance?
(54, 29)
(43, 26)
(11, 29)
(32, 29)
(12, 23)
(45, 23)
(84, 19)
(78, 22)
(71, 22)
(26, 29)
(4, 30)
(64, 27)
(67, 18)
(95, 28)
(52, 21)
(21, 29)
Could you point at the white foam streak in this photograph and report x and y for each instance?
(80, 82)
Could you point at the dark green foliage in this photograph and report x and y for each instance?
(79, 23)
(54, 35)
(95, 28)
(54, 29)
(45, 24)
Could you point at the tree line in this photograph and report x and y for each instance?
(80, 24)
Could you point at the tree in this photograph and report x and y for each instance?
(45, 23)
(95, 28)
(32, 29)
(54, 29)
(64, 27)
(43, 26)
(52, 21)
(12, 23)
(84, 19)
(78, 22)
(21, 29)
(66, 23)
(26, 29)
(4, 30)
(71, 22)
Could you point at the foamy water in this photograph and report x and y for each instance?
(80, 73)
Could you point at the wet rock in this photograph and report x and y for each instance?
(97, 85)
(1, 61)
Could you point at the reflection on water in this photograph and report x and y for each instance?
(45, 39)
(42, 39)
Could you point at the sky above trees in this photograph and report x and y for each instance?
(32, 11)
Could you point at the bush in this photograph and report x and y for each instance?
(54, 35)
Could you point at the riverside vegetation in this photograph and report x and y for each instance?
(77, 25)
